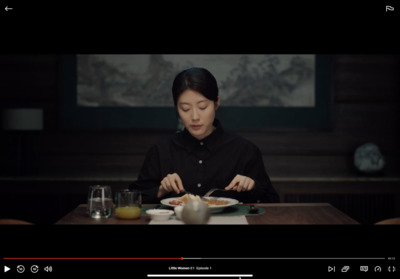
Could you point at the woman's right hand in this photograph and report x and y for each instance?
(172, 182)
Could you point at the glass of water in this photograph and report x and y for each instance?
(100, 201)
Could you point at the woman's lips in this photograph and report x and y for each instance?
(196, 127)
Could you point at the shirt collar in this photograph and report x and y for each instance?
(211, 142)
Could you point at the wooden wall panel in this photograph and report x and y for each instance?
(81, 164)
(372, 118)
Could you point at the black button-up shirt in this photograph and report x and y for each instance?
(204, 164)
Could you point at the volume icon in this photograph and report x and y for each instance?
(48, 268)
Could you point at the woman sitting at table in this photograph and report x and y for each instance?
(203, 155)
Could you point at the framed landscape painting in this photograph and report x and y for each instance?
(257, 91)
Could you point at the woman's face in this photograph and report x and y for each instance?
(197, 113)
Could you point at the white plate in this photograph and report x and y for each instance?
(214, 208)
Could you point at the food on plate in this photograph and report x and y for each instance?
(217, 202)
(175, 202)
(182, 200)
(185, 198)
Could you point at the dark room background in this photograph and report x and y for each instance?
(57, 165)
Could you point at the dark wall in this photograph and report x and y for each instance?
(365, 108)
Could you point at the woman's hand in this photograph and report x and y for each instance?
(172, 182)
(241, 183)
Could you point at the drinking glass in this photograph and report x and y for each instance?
(128, 204)
(100, 202)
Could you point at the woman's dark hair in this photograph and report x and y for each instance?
(196, 79)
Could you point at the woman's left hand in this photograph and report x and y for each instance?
(241, 183)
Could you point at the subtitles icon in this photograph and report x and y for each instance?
(364, 268)
(389, 8)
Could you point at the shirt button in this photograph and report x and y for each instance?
(200, 162)
(199, 185)
(201, 143)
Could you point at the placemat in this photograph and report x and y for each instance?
(235, 210)
(239, 209)
(214, 220)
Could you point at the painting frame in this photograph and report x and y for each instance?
(77, 117)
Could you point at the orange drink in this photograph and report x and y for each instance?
(128, 204)
(128, 212)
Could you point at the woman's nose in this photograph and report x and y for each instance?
(195, 115)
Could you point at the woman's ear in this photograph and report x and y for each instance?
(217, 103)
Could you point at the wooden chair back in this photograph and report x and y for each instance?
(390, 221)
(7, 221)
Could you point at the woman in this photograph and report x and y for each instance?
(203, 156)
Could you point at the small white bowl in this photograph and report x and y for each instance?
(178, 211)
(159, 214)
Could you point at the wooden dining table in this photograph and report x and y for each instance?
(269, 214)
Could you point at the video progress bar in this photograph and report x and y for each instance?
(92, 258)
(201, 275)
(274, 258)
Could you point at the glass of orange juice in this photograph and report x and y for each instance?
(128, 204)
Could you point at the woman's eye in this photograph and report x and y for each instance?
(203, 108)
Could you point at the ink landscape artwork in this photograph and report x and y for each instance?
(243, 80)
(257, 91)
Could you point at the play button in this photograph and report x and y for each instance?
(6, 268)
